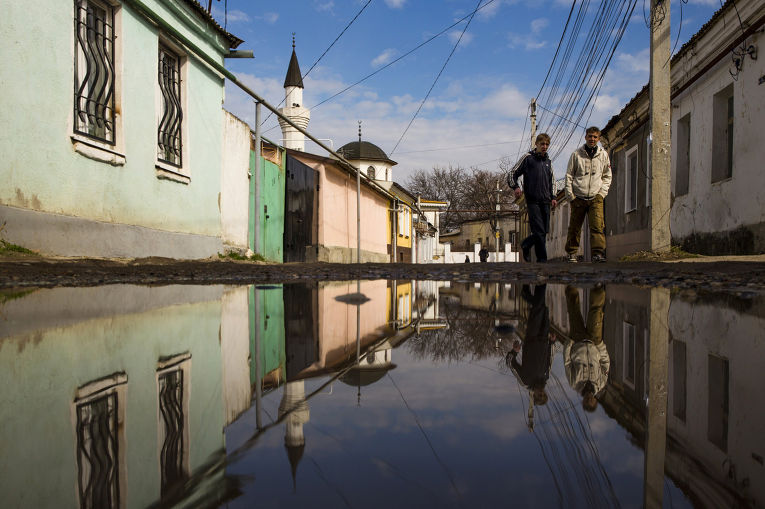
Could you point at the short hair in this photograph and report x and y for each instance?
(542, 137)
(592, 129)
(540, 397)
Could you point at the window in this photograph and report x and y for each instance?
(94, 71)
(718, 402)
(169, 139)
(467, 244)
(371, 172)
(99, 409)
(679, 380)
(630, 182)
(722, 135)
(628, 338)
(648, 174)
(683, 165)
(173, 399)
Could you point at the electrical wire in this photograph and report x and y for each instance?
(456, 44)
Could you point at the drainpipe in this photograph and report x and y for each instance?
(394, 247)
(255, 234)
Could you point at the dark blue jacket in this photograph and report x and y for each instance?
(537, 176)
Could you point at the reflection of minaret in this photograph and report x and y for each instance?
(294, 403)
(293, 105)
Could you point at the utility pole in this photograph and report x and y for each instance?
(358, 204)
(660, 126)
(533, 121)
(496, 223)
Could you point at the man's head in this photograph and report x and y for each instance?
(589, 401)
(592, 136)
(542, 143)
(540, 396)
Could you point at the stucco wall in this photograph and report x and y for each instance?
(337, 320)
(41, 170)
(337, 212)
(235, 182)
(84, 334)
(723, 206)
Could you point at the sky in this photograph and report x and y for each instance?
(476, 111)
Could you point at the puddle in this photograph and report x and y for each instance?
(381, 393)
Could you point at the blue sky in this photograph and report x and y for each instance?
(476, 111)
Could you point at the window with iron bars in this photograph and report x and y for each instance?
(94, 70)
(171, 112)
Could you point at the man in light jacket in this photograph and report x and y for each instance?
(588, 178)
(585, 356)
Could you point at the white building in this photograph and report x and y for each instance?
(717, 123)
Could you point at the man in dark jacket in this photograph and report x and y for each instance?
(538, 179)
(534, 371)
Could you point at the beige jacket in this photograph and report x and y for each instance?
(587, 177)
(584, 362)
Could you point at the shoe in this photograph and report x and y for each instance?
(572, 258)
(598, 258)
(526, 254)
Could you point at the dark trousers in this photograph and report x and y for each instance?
(539, 223)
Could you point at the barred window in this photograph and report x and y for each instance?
(171, 112)
(94, 70)
(371, 172)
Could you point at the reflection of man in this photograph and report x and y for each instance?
(483, 254)
(534, 370)
(585, 356)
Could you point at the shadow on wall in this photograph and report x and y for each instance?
(740, 241)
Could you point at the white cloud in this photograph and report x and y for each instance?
(454, 36)
(489, 11)
(327, 6)
(638, 62)
(271, 17)
(233, 16)
(383, 58)
(538, 24)
(527, 42)
(395, 4)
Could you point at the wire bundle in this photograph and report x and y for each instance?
(580, 63)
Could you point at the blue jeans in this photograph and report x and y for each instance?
(539, 222)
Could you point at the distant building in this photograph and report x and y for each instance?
(717, 152)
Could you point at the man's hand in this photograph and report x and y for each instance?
(554, 203)
(518, 192)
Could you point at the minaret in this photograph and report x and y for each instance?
(293, 105)
(295, 407)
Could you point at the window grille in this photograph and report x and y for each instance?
(94, 70)
(171, 409)
(97, 458)
(371, 172)
(171, 113)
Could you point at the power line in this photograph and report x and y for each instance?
(437, 77)
(459, 147)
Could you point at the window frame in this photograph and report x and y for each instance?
(683, 143)
(626, 328)
(166, 169)
(628, 195)
(648, 169)
(84, 143)
(723, 134)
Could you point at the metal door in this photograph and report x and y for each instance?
(300, 206)
(301, 327)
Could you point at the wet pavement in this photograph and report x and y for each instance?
(379, 393)
(741, 277)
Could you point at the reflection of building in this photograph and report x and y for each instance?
(714, 442)
(98, 385)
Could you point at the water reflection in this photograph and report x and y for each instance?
(425, 393)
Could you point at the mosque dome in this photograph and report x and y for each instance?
(364, 151)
